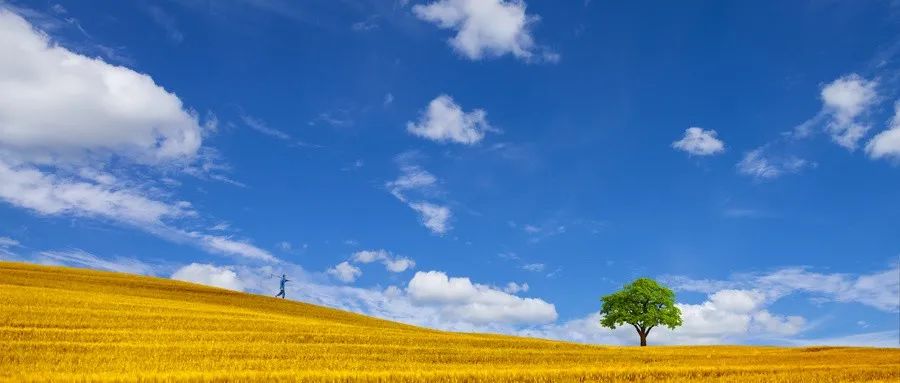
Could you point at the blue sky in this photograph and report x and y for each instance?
(470, 165)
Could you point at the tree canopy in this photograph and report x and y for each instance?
(644, 304)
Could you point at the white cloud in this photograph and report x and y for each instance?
(486, 28)
(345, 272)
(733, 313)
(460, 299)
(435, 217)
(535, 267)
(445, 121)
(260, 126)
(846, 99)
(66, 114)
(515, 288)
(736, 311)
(433, 299)
(870, 339)
(228, 246)
(727, 316)
(8, 242)
(59, 104)
(224, 277)
(417, 181)
(369, 24)
(760, 164)
(484, 310)
(48, 194)
(699, 142)
(391, 263)
(413, 177)
(81, 258)
(880, 290)
(886, 144)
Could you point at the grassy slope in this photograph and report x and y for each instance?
(66, 324)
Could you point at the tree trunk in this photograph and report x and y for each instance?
(643, 340)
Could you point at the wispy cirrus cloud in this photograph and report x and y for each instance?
(419, 182)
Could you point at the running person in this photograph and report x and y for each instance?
(284, 280)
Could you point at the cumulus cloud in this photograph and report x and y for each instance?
(737, 310)
(880, 290)
(731, 313)
(224, 277)
(66, 118)
(699, 142)
(845, 100)
(345, 272)
(59, 104)
(886, 144)
(445, 121)
(459, 298)
(480, 309)
(763, 165)
(486, 28)
(390, 262)
(727, 316)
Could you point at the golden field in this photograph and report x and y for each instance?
(64, 324)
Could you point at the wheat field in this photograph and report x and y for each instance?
(64, 324)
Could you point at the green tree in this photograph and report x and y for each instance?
(643, 304)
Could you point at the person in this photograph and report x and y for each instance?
(284, 280)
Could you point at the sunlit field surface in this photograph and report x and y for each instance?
(62, 324)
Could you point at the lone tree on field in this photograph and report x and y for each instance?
(643, 304)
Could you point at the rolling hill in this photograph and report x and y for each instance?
(65, 324)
